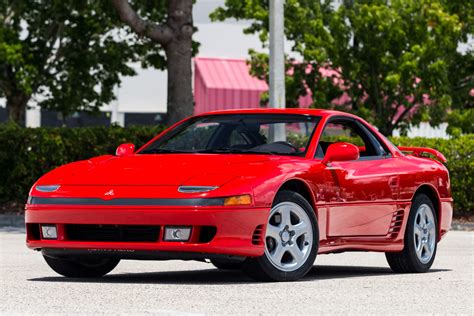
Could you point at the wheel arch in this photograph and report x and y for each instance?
(301, 187)
(431, 192)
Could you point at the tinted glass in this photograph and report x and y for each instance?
(243, 133)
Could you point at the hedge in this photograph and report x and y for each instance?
(27, 153)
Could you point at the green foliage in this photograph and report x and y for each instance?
(27, 153)
(68, 54)
(387, 55)
(461, 76)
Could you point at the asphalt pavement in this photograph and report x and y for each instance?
(348, 283)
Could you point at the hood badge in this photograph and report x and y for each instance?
(109, 195)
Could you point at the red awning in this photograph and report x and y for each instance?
(221, 84)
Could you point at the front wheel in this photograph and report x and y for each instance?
(421, 236)
(81, 267)
(291, 241)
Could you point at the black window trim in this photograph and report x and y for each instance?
(371, 137)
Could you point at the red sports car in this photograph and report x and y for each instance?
(262, 190)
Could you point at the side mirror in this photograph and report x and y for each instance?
(125, 150)
(341, 152)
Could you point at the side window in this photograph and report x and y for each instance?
(381, 149)
(349, 132)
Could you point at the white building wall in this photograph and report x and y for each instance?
(425, 130)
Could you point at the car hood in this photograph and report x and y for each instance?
(159, 169)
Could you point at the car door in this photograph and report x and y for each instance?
(361, 194)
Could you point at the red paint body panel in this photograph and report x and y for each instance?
(231, 238)
(356, 202)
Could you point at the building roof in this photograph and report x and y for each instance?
(228, 74)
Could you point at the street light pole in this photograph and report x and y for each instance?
(277, 63)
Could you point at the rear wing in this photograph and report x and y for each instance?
(419, 151)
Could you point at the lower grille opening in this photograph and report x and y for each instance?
(33, 231)
(120, 233)
(207, 233)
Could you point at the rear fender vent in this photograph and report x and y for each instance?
(396, 224)
(257, 237)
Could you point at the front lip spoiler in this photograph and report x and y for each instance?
(132, 254)
(127, 201)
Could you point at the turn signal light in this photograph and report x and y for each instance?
(238, 200)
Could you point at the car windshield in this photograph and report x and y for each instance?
(278, 134)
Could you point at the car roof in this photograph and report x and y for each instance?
(315, 112)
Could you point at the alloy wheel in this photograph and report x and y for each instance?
(289, 236)
(424, 233)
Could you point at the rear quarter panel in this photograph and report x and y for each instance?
(416, 172)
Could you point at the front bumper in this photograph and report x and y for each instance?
(238, 231)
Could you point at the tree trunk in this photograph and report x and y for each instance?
(178, 54)
(180, 93)
(386, 130)
(16, 108)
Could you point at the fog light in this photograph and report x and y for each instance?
(49, 231)
(173, 233)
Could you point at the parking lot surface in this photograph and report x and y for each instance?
(356, 283)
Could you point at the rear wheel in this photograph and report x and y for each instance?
(421, 236)
(81, 267)
(291, 241)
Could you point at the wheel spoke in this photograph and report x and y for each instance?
(419, 245)
(419, 250)
(417, 230)
(273, 231)
(278, 253)
(427, 253)
(285, 216)
(296, 253)
(423, 216)
(300, 229)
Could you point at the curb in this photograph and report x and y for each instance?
(18, 220)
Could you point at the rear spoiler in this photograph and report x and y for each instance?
(419, 151)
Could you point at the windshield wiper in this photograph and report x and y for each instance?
(164, 151)
(234, 151)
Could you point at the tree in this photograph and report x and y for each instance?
(388, 56)
(173, 31)
(66, 55)
(461, 73)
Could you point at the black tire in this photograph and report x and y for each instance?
(261, 269)
(227, 264)
(82, 267)
(407, 260)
